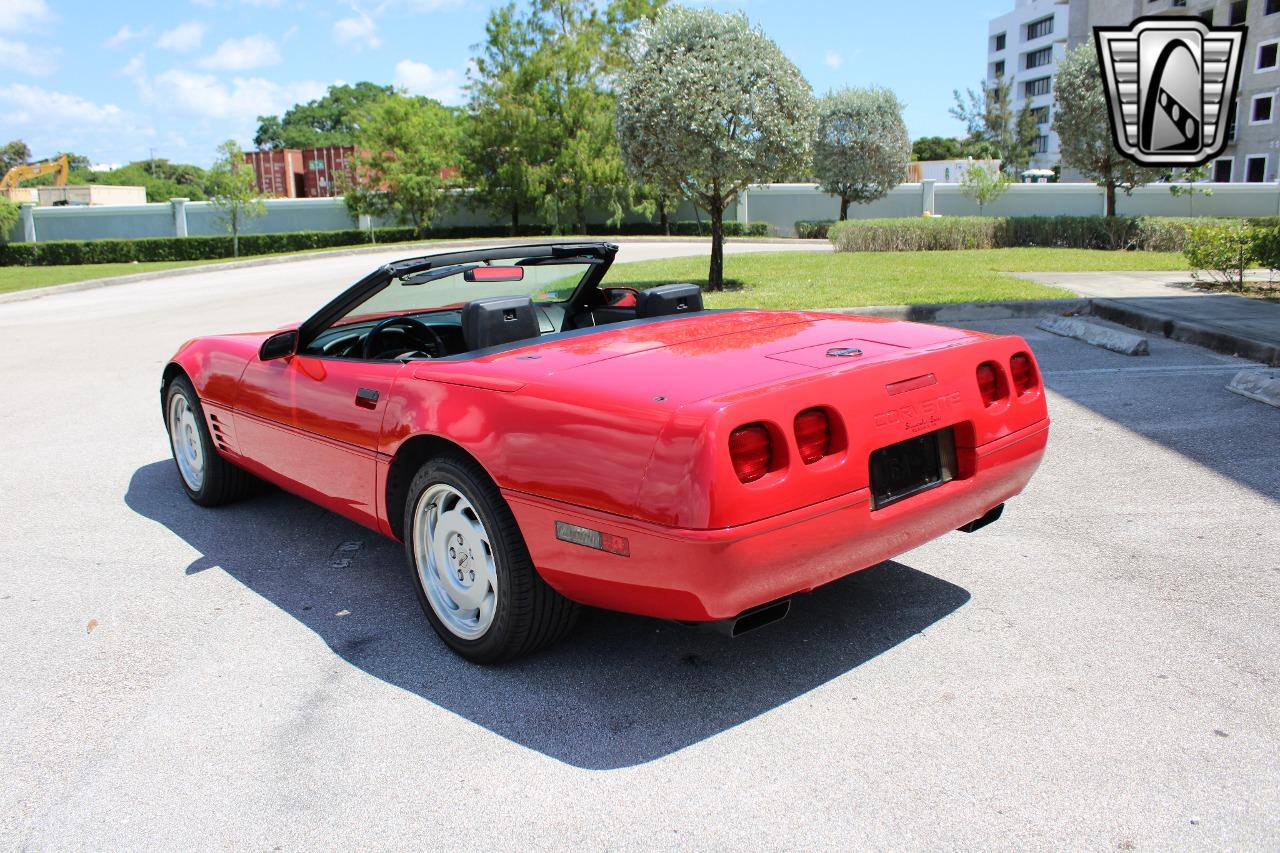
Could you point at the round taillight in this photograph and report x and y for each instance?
(1024, 375)
(988, 382)
(813, 435)
(751, 449)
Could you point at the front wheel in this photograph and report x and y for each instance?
(471, 569)
(206, 477)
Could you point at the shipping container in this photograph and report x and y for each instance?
(277, 173)
(324, 170)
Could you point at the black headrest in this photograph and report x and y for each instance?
(498, 320)
(669, 299)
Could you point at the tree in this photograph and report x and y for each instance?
(709, 105)
(9, 215)
(502, 153)
(543, 110)
(983, 185)
(270, 133)
(1187, 184)
(233, 191)
(13, 153)
(861, 149)
(406, 151)
(990, 117)
(1083, 128)
(937, 148)
(332, 119)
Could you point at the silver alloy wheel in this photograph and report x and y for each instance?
(184, 435)
(454, 559)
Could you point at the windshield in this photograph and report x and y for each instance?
(448, 287)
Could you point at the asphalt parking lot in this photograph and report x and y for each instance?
(1098, 670)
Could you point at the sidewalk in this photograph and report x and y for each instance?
(1168, 303)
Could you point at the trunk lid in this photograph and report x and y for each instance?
(699, 357)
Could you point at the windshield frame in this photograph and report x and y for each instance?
(600, 255)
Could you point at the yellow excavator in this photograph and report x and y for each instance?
(26, 171)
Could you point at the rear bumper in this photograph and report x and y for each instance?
(700, 575)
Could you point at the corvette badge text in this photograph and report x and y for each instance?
(918, 415)
(1169, 83)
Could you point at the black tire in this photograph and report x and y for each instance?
(529, 614)
(222, 482)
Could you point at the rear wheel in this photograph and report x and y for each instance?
(206, 477)
(471, 568)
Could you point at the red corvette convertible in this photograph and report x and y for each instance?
(540, 441)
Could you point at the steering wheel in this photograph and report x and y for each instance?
(419, 332)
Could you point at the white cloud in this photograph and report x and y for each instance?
(126, 34)
(136, 68)
(19, 56)
(183, 38)
(421, 79)
(833, 59)
(21, 104)
(242, 54)
(357, 32)
(204, 95)
(21, 15)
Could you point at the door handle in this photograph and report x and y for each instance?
(366, 398)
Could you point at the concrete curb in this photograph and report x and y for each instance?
(968, 312)
(1260, 385)
(1204, 335)
(1096, 335)
(410, 249)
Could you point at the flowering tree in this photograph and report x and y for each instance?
(862, 148)
(709, 105)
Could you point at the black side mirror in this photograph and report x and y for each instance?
(279, 345)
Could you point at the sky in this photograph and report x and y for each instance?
(116, 80)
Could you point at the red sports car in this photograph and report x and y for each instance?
(541, 441)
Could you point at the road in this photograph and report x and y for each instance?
(1096, 670)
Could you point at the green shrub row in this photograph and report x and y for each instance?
(1144, 233)
(1224, 251)
(813, 229)
(62, 252)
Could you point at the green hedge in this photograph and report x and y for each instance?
(1143, 233)
(813, 229)
(1266, 247)
(62, 252)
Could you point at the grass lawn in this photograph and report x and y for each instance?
(820, 280)
(23, 278)
(790, 279)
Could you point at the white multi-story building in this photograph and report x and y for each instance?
(1023, 48)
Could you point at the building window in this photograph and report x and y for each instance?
(1222, 170)
(1041, 114)
(998, 69)
(1272, 7)
(1260, 109)
(1232, 121)
(1237, 12)
(1037, 58)
(999, 43)
(1036, 87)
(1255, 169)
(1267, 56)
(1040, 28)
(1041, 145)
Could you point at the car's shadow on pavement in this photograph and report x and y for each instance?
(621, 690)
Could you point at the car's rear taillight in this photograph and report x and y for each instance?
(1024, 374)
(813, 435)
(751, 449)
(989, 382)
